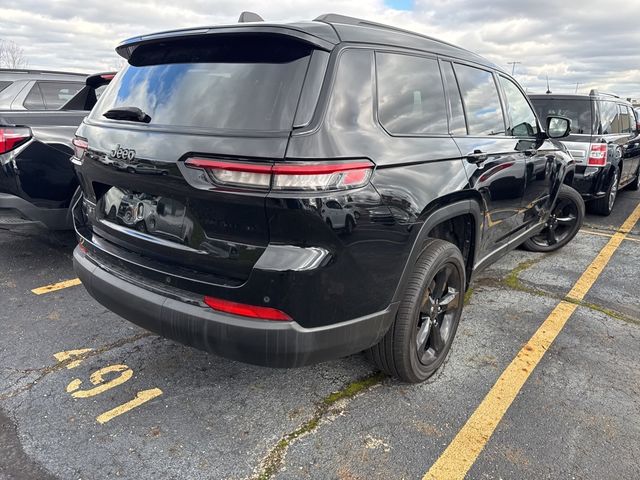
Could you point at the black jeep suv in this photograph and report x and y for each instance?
(207, 165)
(604, 140)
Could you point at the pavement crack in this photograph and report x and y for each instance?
(274, 459)
(43, 372)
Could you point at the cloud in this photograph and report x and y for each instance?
(574, 42)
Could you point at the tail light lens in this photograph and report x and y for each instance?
(597, 155)
(13, 137)
(302, 176)
(80, 146)
(251, 311)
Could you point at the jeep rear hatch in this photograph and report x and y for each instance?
(230, 98)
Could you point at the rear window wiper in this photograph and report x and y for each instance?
(133, 114)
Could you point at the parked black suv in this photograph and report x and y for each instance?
(210, 159)
(604, 140)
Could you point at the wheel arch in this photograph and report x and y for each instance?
(437, 213)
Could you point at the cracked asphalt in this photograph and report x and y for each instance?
(577, 416)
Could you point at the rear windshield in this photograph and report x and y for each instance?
(578, 110)
(229, 83)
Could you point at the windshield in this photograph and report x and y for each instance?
(230, 83)
(578, 110)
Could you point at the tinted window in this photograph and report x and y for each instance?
(457, 125)
(578, 110)
(57, 94)
(410, 95)
(4, 85)
(34, 100)
(481, 101)
(523, 120)
(609, 117)
(228, 82)
(625, 119)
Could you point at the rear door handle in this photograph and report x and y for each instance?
(477, 156)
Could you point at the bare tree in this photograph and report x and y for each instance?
(11, 55)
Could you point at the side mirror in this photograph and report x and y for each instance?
(558, 127)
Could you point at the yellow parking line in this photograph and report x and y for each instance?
(609, 235)
(56, 286)
(462, 452)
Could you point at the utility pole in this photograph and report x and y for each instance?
(513, 66)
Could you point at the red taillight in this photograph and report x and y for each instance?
(597, 155)
(307, 176)
(251, 311)
(13, 137)
(107, 76)
(80, 146)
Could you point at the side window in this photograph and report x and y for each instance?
(457, 126)
(34, 100)
(4, 84)
(57, 94)
(523, 120)
(609, 117)
(410, 95)
(625, 120)
(481, 101)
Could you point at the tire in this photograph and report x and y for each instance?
(421, 319)
(349, 226)
(635, 185)
(564, 222)
(604, 206)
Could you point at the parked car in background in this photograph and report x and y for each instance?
(37, 180)
(261, 128)
(604, 141)
(38, 89)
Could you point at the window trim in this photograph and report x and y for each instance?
(500, 99)
(376, 103)
(44, 99)
(508, 113)
(33, 87)
(448, 98)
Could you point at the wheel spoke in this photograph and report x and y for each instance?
(568, 220)
(423, 335)
(437, 342)
(551, 236)
(450, 300)
(442, 277)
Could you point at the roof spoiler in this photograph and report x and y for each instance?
(246, 17)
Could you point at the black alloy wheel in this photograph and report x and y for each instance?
(422, 333)
(564, 222)
(604, 205)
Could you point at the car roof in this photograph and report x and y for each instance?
(26, 74)
(325, 32)
(593, 95)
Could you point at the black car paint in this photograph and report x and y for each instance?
(266, 240)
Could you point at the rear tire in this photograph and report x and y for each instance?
(564, 222)
(604, 206)
(421, 335)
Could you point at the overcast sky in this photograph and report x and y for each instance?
(593, 43)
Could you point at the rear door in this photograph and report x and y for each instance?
(158, 195)
(630, 148)
(495, 166)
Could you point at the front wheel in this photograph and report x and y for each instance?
(420, 338)
(564, 222)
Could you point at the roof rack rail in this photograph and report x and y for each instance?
(35, 71)
(596, 92)
(337, 18)
(246, 17)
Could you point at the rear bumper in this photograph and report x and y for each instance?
(52, 218)
(260, 342)
(591, 182)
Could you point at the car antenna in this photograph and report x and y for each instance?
(246, 17)
(548, 89)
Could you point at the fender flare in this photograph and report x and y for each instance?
(461, 207)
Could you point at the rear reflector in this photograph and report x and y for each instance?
(307, 176)
(13, 137)
(597, 155)
(251, 311)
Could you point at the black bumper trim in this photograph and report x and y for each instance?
(260, 342)
(52, 218)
